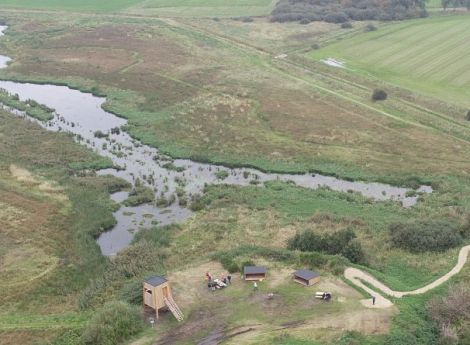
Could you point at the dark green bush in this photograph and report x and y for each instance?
(346, 25)
(422, 236)
(339, 242)
(114, 323)
(379, 95)
(232, 267)
(353, 252)
(100, 134)
(336, 17)
(132, 292)
(370, 27)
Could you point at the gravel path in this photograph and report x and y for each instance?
(357, 276)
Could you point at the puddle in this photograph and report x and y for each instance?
(334, 63)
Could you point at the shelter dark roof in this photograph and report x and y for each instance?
(254, 270)
(306, 274)
(155, 281)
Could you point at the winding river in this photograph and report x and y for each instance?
(82, 115)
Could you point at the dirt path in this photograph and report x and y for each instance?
(357, 276)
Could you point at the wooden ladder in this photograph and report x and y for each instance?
(175, 310)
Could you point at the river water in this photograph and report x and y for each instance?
(82, 115)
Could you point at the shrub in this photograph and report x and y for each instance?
(465, 228)
(100, 134)
(132, 293)
(425, 236)
(353, 252)
(339, 242)
(114, 323)
(370, 27)
(232, 267)
(346, 25)
(338, 17)
(247, 19)
(451, 314)
(379, 95)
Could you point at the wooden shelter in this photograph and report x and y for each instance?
(254, 273)
(306, 277)
(157, 295)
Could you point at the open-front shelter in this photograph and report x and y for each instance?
(254, 273)
(306, 277)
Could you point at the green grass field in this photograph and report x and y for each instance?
(69, 5)
(427, 55)
(151, 7)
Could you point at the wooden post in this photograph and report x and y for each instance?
(143, 297)
(155, 302)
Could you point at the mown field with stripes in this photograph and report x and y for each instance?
(429, 55)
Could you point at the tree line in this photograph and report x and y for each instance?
(455, 4)
(340, 11)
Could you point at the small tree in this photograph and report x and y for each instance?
(370, 27)
(379, 95)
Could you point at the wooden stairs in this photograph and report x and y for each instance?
(175, 310)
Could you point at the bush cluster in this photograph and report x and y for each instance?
(312, 260)
(114, 323)
(335, 11)
(451, 314)
(422, 236)
(379, 95)
(340, 242)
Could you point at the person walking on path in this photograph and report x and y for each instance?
(373, 300)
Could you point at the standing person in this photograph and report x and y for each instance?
(373, 300)
(229, 278)
(255, 286)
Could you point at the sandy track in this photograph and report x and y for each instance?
(357, 276)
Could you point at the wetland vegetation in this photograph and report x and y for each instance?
(196, 80)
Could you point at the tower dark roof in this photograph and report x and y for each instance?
(156, 280)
